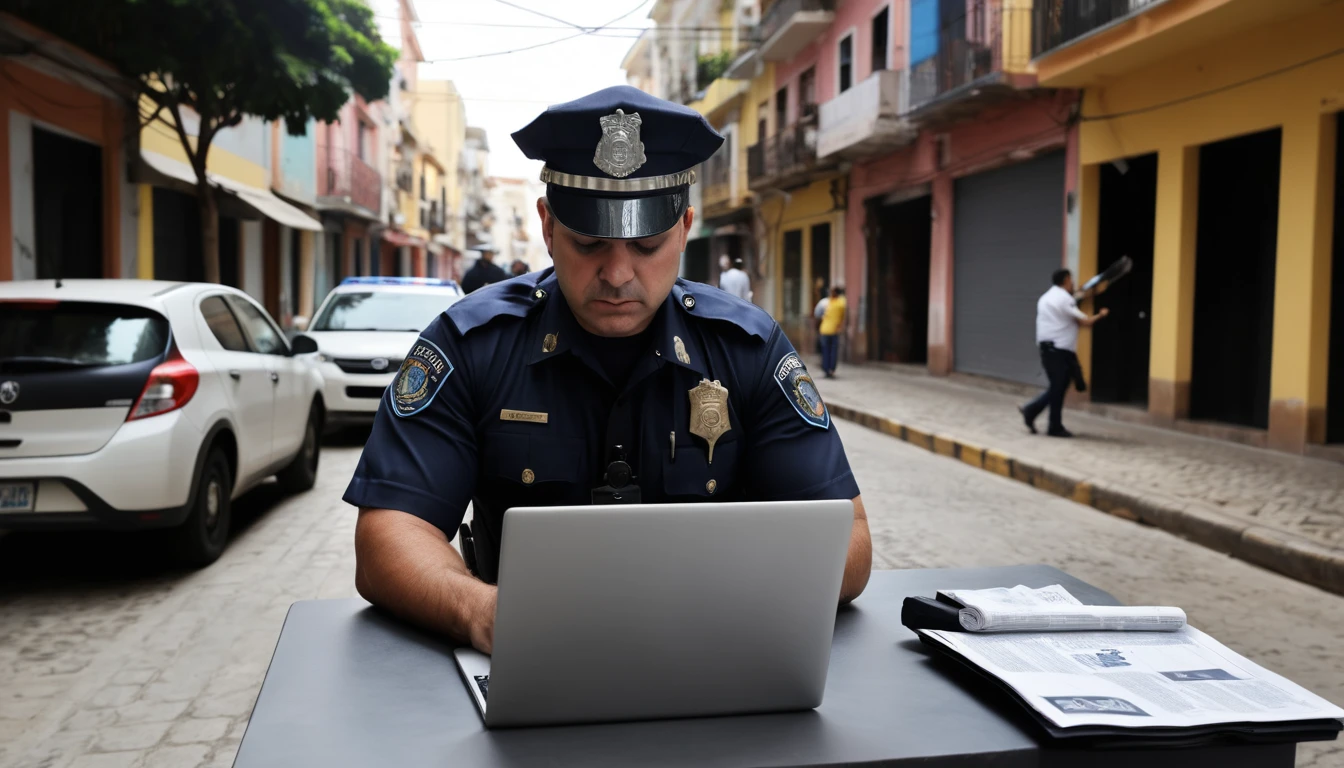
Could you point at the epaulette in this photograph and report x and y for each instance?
(706, 301)
(515, 297)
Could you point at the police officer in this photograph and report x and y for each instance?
(604, 379)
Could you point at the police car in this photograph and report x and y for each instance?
(363, 329)
(130, 404)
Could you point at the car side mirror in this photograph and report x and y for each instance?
(300, 322)
(303, 345)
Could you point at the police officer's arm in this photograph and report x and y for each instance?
(412, 486)
(794, 452)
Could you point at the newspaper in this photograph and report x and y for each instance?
(1136, 679)
(1053, 609)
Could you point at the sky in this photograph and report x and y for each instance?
(505, 92)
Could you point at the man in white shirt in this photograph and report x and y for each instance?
(1057, 321)
(733, 280)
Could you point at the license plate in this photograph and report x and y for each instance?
(16, 497)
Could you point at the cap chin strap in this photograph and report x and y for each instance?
(599, 184)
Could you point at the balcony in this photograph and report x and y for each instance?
(867, 119)
(984, 54)
(348, 183)
(718, 196)
(786, 159)
(1057, 23)
(431, 217)
(789, 26)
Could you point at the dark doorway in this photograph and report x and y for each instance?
(1234, 279)
(791, 283)
(696, 264)
(67, 206)
(295, 269)
(229, 251)
(1120, 344)
(899, 293)
(821, 264)
(1334, 394)
(177, 237)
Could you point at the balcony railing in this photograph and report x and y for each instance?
(790, 152)
(868, 118)
(969, 49)
(783, 11)
(348, 179)
(432, 217)
(1059, 22)
(718, 180)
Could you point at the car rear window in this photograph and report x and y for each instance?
(51, 335)
(382, 311)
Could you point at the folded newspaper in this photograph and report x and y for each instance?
(1053, 609)
(1176, 686)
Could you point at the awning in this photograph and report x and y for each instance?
(399, 238)
(262, 201)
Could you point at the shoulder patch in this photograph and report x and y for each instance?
(422, 374)
(801, 391)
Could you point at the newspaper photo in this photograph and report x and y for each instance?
(1136, 679)
(1053, 609)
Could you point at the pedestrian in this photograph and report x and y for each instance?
(484, 272)
(733, 279)
(518, 268)
(533, 393)
(818, 312)
(1057, 321)
(832, 323)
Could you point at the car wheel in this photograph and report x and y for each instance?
(301, 473)
(201, 538)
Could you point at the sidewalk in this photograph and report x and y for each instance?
(1277, 510)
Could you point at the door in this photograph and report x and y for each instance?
(245, 379)
(792, 284)
(1334, 395)
(1007, 239)
(290, 414)
(1120, 345)
(900, 291)
(67, 206)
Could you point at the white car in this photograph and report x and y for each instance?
(131, 404)
(363, 330)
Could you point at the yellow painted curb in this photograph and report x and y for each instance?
(945, 446)
(973, 455)
(918, 437)
(998, 462)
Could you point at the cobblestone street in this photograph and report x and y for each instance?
(108, 660)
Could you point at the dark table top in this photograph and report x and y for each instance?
(349, 686)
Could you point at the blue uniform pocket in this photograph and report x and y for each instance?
(531, 460)
(692, 478)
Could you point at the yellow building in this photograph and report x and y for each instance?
(441, 117)
(1209, 154)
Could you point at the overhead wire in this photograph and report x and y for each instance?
(586, 31)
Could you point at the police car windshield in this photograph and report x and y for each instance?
(381, 311)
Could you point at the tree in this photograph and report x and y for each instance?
(288, 60)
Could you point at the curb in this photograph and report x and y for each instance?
(1279, 551)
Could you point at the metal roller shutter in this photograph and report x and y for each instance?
(1008, 236)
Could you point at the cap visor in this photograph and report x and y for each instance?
(617, 218)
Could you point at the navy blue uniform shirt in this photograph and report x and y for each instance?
(500, 403)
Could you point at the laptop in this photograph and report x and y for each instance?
(647, 611)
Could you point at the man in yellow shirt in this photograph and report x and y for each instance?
(832, 323)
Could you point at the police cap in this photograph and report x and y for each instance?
(619, 162)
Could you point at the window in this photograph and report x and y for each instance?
(762, 120)
(881, 25)
(381, 311)
(846, 62)
(363, 146)
(781, 109)
(807, 92)
(265, 336)
(223, 324)
(69, 335)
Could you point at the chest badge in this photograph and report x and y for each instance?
(709, 412)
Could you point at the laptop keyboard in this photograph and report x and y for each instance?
(483, 682)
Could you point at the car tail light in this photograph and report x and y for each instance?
(171, 384)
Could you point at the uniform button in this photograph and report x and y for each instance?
(711, 485)
(528, 477)
(688, 302)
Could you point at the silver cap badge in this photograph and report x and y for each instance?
(620, 152)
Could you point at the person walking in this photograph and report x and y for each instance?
(484, 272)
(832, 323)
(733, 279)
(1057, 321)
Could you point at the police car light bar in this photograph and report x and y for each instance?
(371, 280)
